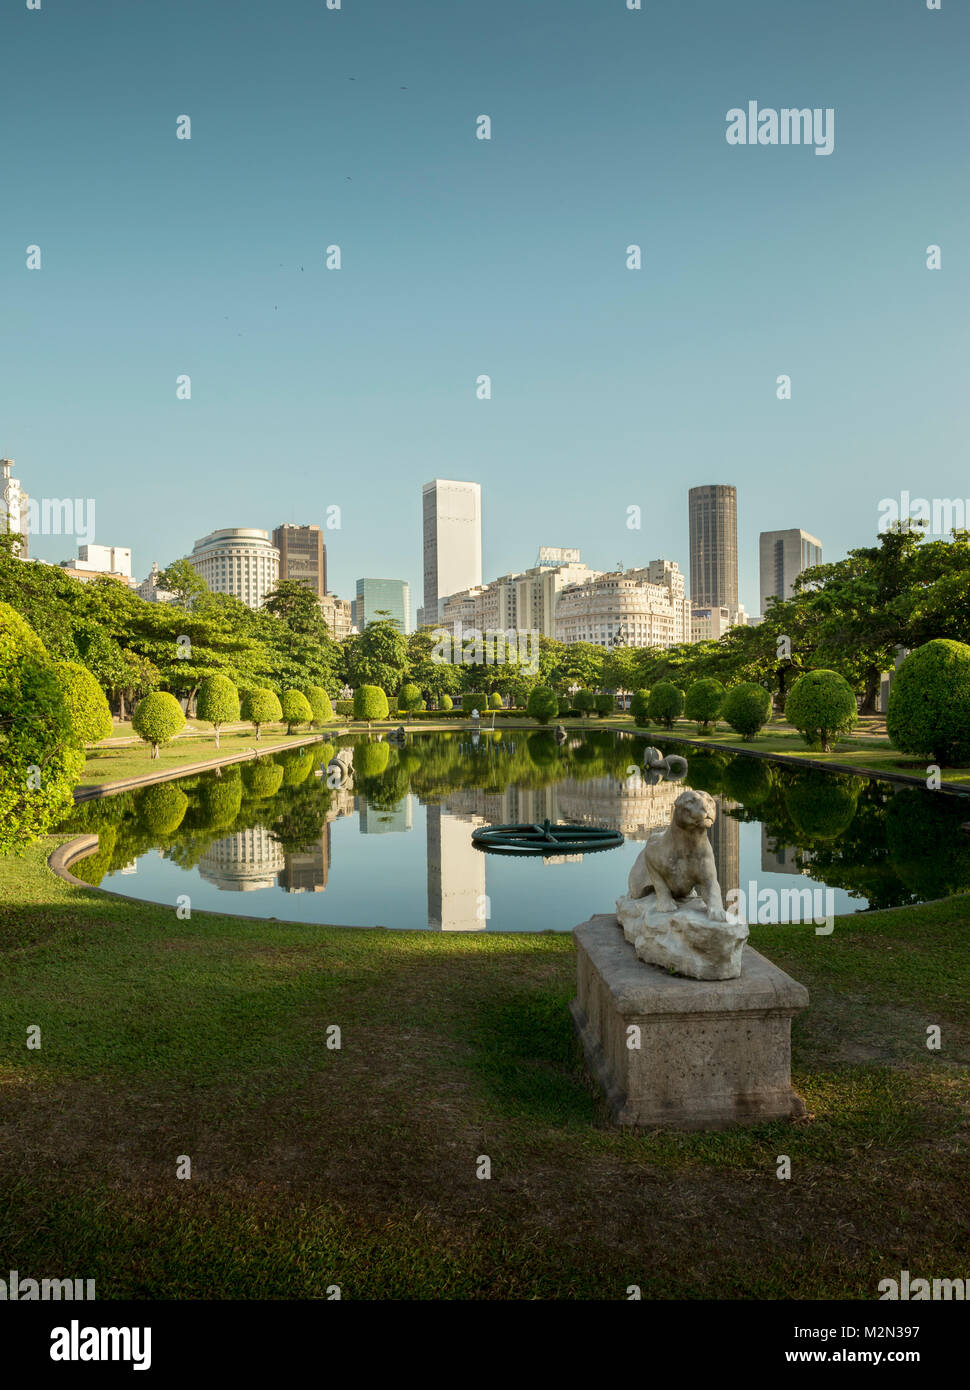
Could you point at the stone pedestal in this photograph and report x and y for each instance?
(713, 1053)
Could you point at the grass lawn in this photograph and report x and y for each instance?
(135, 759)
(358, 1167)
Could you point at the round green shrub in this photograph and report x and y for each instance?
(409, 699)
(446, 703)
(296, 709)
(370, 703)
(495, 701)
(473, 700)
(41, 757)
(666, 703)
(746, 708)
(640, 708)
(157, 718)
(217, 703)
(605, 704)
(703, 701)
(319, 702)
(820, 705)
(543, 704)
(261, 706)
(90, 714)
(585, 702)
(562, 704)
(929, 703)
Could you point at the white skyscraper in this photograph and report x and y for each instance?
(13, 505)
(452, 514)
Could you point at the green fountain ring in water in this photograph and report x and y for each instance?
(545, 839)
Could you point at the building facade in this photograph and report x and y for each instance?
(644, 607)
(378, 596)
(525, 602)
(713, 519)
(104, 559)
(452, 528)
(14, 511)
(783, 555)
(303, 556)
(240, 561)
(338, 616)
(151, 591)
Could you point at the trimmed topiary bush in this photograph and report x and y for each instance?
(409, 699)
(473, 699)
(217, 703)
(344, 707)
(90, 715)
(929, 703)
(158, 718)
(41, 757)
(563, 705)
(296, 709)
(820, 705)
(585, 702)
(703, 701)
(605, 704)
(666, 703)
(495, 701)
(370, 703)
(446, 703)
(319, 702)
(261, 707)
(640, 708)
(746, 708)
(543, 704)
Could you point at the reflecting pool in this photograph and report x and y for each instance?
(364, 833)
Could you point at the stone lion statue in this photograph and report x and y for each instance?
(679, 861)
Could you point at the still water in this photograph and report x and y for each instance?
(384, 839)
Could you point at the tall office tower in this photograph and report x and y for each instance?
(14, 512)
(783, 556)
(376, 597)
(239, 561)
(452, 517)
(713, 515)
(303, 556)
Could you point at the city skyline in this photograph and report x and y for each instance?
(610, 387)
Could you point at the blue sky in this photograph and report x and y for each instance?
(611, 387)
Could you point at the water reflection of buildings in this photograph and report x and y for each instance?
(243, 862)
(632, 806)
(307, 870)
(782, 859)
(456, 872)
(726, 841)
(372, 821)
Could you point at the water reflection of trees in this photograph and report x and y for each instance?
(890, 846)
